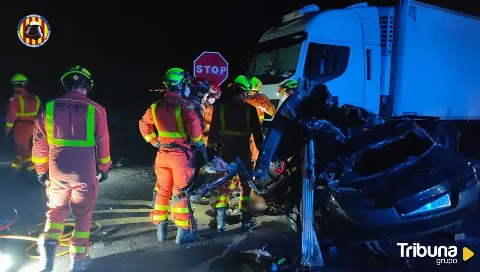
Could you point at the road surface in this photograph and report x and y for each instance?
(127, 240)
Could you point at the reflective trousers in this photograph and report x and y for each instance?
(225, 191)
(254, 151)
(174, 169)
(81, 197)
(23, 133)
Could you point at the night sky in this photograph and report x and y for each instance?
(128, 45)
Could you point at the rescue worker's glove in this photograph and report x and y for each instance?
(42, 178)
(102, 176)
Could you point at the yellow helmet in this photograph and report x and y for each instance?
(71, 77)
(242, 83)
(288, 87)
(175, 76)
(19, 79)
(256, 85)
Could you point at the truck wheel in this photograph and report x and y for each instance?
(446, 135)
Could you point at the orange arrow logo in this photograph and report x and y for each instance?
(467, 254)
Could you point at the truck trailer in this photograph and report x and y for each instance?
(408, 59)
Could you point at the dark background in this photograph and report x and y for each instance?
(128, 45)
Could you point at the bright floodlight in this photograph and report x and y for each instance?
(5, 262)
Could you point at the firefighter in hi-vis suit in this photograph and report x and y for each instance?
(22, 110)
(179, 140)
(70, 141)
(234, 122)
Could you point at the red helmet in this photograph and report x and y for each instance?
(215, 91)
(212, 89)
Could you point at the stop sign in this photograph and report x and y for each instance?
(211, 66)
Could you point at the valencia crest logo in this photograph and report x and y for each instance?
(33, 30)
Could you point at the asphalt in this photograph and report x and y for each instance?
(127, 240)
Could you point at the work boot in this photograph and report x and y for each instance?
(17, 165)
(82, 265)
(184, 236)
(162, 231)
(213, 223)
(221, 217)
(30, 167)
(46, 248)
(247, 221)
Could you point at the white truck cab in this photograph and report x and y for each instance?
(409, 59)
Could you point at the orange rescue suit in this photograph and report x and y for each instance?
(22, 111)
(178, 126)
(263, 105)
(207, 119)
(70, 141)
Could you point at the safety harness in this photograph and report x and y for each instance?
(180, 133)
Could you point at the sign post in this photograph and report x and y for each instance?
(211, 66)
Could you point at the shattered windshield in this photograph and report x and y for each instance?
(277, 59)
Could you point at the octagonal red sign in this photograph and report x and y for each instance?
(211, 66)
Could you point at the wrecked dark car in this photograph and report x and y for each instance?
(357, 176)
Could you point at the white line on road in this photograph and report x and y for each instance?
(124, 221)
(123, 211)
(123, 202)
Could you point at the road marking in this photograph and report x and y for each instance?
(123, 211)
(121, 235)
(124, 221)
(123, 202)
